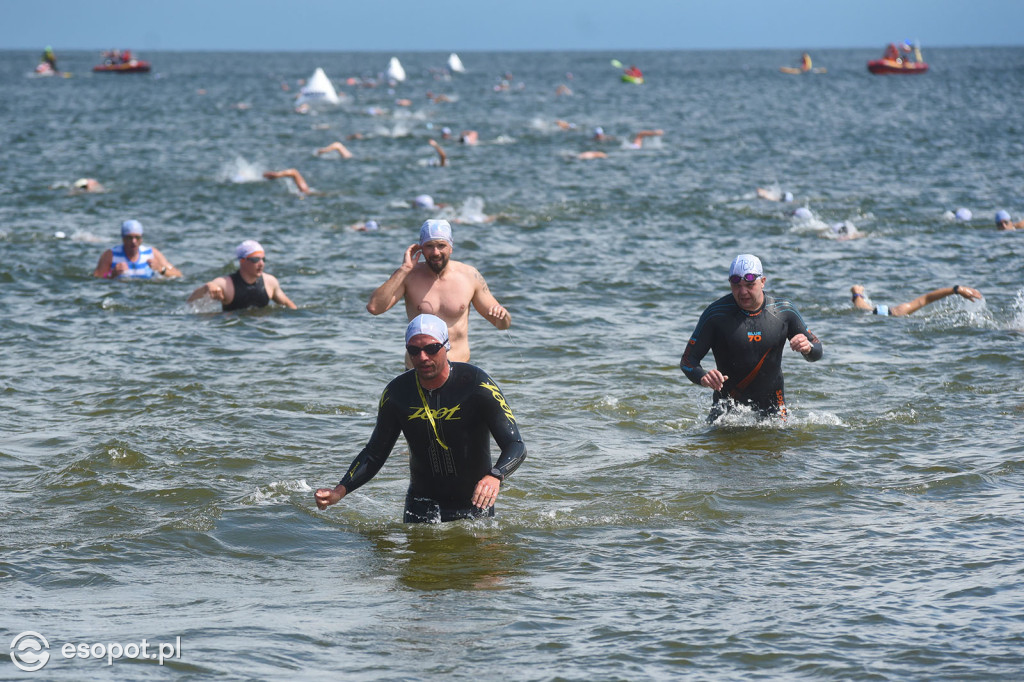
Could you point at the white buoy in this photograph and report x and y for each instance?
(395, 70)
(455, 64)
(317, 90)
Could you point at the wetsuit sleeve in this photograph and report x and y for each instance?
(503, 427)
(696, 348)
(797, 326)
(372, 457)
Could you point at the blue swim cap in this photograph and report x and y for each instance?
(371, 225)
(431, 325)
(1001, 216)
(131, 227)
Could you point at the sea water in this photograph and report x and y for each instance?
(159, 461)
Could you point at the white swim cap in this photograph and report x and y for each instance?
(963, 214)
(423, 201)
(131, 227)
(436, 229)
(803, 213)
(431, 325)
(1001, 216)
(745, 264)
(371, 225)
(247, 248)
(787, 197)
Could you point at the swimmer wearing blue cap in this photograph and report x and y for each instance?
(439, 286)
(131, 259)
(448, 413)
(861, 302)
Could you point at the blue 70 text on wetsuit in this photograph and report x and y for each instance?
(466, 412)
(748, 349)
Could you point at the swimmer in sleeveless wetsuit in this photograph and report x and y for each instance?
(249, 286)
(747, 331)
(448, 413)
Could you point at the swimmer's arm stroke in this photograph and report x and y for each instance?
(487, 305)
(392, 291)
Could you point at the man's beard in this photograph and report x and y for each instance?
(439, 265)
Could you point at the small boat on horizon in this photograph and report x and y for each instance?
(893, 62)
(121, 61)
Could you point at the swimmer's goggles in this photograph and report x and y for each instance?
(430, 348)
(749, 278)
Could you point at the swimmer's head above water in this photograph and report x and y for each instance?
(432, 230)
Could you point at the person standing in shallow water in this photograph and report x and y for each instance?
(247, 287)
(448, 413)
(439, 286)
(747, 331)
(132, 259)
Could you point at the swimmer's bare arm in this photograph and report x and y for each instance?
(103, 266)
(443, 158)
(276, 293)
(218, 289)
(392, 291)
(300, 182)
(932, 296)
(160, 265)
(714, 379)
(487, 305)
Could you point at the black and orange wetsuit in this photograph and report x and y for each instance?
(449, 434)
(748, 349)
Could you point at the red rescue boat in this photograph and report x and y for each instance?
(893, 62)
(121, 61)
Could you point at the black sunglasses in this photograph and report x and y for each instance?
(430, 348)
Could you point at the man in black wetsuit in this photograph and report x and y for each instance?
(448, 412)
(247, 287)
(747, 332)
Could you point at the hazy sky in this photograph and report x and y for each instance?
(443, 25)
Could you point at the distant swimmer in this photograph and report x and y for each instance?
(87, 185)
(448, 413)
(747, 332)
(1005, 223)
(439, 286)
(247, 287)
(368, 226)
(300, 182)
(774, 194)
(564, 125)
(591, 155)
(638, 139)
(843, 231)
(563, 89)
(335, 147)
(131, 259)
(426, 201)
(861, 302)
(600, 136)
(469, 137)
(442, 158)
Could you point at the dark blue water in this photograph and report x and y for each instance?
(160, 460)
